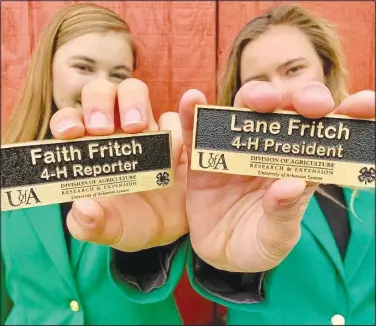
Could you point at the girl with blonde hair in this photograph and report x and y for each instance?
(118, 267)
(278, 252)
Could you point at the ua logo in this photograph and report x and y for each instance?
(23, 197)
(215, 161)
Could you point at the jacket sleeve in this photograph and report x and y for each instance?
(230, 289)
(5, 304)
(146, 276)
(149, 275)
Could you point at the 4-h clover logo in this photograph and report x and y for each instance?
(163, 179)
(366, 175)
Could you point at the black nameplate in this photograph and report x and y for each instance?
(335, 149)
(46, 172)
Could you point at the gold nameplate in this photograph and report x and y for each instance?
(335, 149)
(53, 171)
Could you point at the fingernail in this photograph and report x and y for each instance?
(287, 202)
(316, 91)
(65, 125)
(84, 220)
(98, 120)
(263, 89)
(133, 116)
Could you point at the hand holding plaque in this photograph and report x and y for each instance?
(245, 223)
(128, 222)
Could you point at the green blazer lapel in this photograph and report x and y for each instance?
(363, 229)
(76, 253)
(46, 221)
(315, 221)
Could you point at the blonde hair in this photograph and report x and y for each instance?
(324, 39)
(31, 115)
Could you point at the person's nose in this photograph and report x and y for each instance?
(102, 76)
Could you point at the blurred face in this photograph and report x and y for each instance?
(91, 56)
(283, 56)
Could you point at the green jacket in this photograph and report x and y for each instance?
(42, 282)
(313, 286)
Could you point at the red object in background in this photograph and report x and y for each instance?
(194, 309)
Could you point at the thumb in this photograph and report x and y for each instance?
(359, 105)
(186, 113)
(284, 204)
(86, 222)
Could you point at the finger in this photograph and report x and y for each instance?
(86, 222)
(259, 96)
(284, 204)
(98, 101)
(314, 100)
(170, 121)
(67, 123)
(134, 106)
(360, 105)
(186, 114)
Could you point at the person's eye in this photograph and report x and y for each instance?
(294, 70)
(120, 76)
(83, 68)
